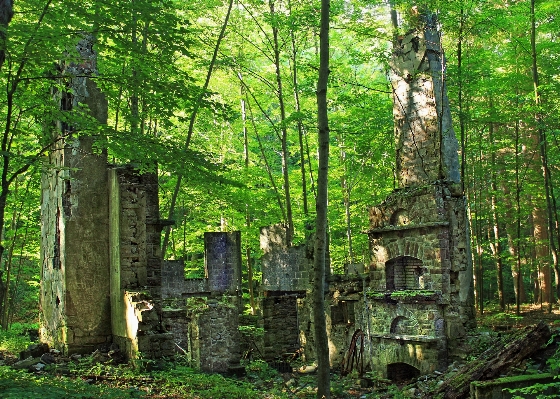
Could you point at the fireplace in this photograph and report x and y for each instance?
(404, 273)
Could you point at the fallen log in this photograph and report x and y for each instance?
(495, 361)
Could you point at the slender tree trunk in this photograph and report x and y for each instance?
(284, 137)
(477, 236)
(191, 124)
(542, 140)
(557, 233)
(300, 127)
(247, 209)
(6, 13)
(460, 97)
(265, 160)
(13, 298)
(14, 227)
(518, 279)
(320, 324)
(495, 240)
(345, 186)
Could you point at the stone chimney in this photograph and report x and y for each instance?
(424, 138)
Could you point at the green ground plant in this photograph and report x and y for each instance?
(16, 338)
(18, 384)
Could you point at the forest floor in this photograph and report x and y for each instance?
(496, 320)
(100, 375)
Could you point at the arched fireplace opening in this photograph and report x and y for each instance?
(399, 326)
(399, 372)
(403, 273)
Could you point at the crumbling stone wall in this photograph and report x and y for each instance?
(214, 344)
(418, 235)
(286, 274)
(135, 228)
(284, 268)
(222, 262)
(280, 322)
(202, 314)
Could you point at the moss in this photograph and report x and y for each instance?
(513, 379)
(375, 294)
(412, 293)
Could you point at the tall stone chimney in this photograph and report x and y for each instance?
(425, 141)
(420, 270)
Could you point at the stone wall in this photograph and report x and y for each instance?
(190, 303)
(222, 262)
(214, 337)
(419, 304)
(136, 303)
(284, 268)
(280, 322)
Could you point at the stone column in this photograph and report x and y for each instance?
(222, 257)
(75, 305)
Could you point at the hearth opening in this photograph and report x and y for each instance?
(401, 326)
(398, 372)
(343, 313)
(403, 273)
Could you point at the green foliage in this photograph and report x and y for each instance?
(260, 369)
(16, 339)
(252, 332)
(19, 384)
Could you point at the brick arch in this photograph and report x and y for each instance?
(410, 248)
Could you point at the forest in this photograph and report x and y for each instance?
(220, 99)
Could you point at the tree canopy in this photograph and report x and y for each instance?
(223, 96)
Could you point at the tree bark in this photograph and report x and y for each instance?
(495, 361)
(542, 143)
(495, 243)
(6, 13)
(284, 137)
(320, 324)
(247, 209)
(300, 127)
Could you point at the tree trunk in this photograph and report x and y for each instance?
(320, 323)
(346, 189)
(300, 127)
(191, 124)
(6, 13)
(247, 209)
(284, 136)
(495, 241)
(496, 360)
(542, 143)
(265, 160)
(518, 278)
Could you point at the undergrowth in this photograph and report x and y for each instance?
(16, 338)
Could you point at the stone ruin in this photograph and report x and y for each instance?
(404, 314)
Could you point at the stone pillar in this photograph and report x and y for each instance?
(75, 305)
(425, 141)
(222, 258)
